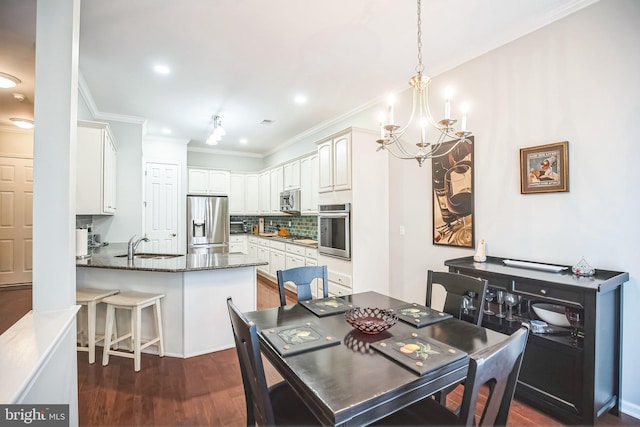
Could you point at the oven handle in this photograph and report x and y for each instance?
(333, 215)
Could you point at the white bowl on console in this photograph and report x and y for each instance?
(551, 313)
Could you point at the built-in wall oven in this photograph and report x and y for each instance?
(334, 230)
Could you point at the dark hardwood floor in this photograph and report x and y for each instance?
(198, 391)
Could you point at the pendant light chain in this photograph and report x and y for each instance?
(419, 67)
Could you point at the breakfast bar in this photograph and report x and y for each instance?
(196, 286)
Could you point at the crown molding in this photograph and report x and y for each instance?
(85, 93)
(224, 152)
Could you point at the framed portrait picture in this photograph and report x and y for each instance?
(453, 203)
(545, 168)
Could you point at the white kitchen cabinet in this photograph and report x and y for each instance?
(264, 255)
(208, 181)
(96, 168)
(237, 194)
(294, 261)
(238, 243)
(252, 246)
(251, 194)
(309, 185)
(277, 186)
(334, 157)
(367, 175)
(277, 258)
(291, 172)
(264, 192)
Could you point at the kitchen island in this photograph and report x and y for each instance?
(196, 286)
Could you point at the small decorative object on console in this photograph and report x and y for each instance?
(481, 253)
(582, 268)
(370, 320)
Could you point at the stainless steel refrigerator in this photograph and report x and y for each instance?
(207, 224)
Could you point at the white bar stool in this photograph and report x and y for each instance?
(90, 298)
(135, 302)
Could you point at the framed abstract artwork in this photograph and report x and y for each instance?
(453, 205)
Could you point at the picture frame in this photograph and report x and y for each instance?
(452, 170)
(544, 168)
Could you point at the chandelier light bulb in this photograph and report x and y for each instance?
(464, 108)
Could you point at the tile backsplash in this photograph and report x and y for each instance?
(306, 226)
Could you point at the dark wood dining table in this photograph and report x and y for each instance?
(353, 384)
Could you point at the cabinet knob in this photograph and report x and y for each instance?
(173, 234)
(543, 291)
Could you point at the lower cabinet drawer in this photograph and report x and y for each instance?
(537, 289)
(235, 248)
(294, 261)
(340, 279)
(338, 290)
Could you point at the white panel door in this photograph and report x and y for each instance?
(161, 208)
(16, 220)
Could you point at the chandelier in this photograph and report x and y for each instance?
(218, 131)
(391, 134)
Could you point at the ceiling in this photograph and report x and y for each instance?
(246, 60)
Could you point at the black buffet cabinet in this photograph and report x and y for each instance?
(577, 382)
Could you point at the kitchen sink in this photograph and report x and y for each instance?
(144, 255)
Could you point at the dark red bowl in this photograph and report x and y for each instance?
(370, 320)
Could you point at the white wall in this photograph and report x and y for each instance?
(575, 80)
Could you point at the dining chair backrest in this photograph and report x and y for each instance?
(302, 277)
(256, 392)
(497, 367)
(457, 287)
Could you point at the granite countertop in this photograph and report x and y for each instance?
(295, 240)
(107, 257)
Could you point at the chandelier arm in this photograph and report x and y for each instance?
(396, 142)
(390, 150)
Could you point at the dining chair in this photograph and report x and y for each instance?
(497, 367)
(302, 277)
(457, 287)
(274, 405)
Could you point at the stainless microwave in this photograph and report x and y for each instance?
(290, 201)
(334, 230)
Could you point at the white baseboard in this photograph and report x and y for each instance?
(630, 408)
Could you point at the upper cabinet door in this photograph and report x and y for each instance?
(309, 184)
(206, 181)
(236, 194)
(95, 169)
(342, 163)
(277, 185)
(325, 167)
(251, 195)
(292, 175)
(198, 181)
(334, 165)
(219, 182)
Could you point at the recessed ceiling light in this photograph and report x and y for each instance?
(243, 140)
(7, 80)
(162, 69)
(300, 99)
(23, 123)
(166, 131)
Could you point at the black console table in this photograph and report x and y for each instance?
(575, 382)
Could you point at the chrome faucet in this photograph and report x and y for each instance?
(131, 246)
